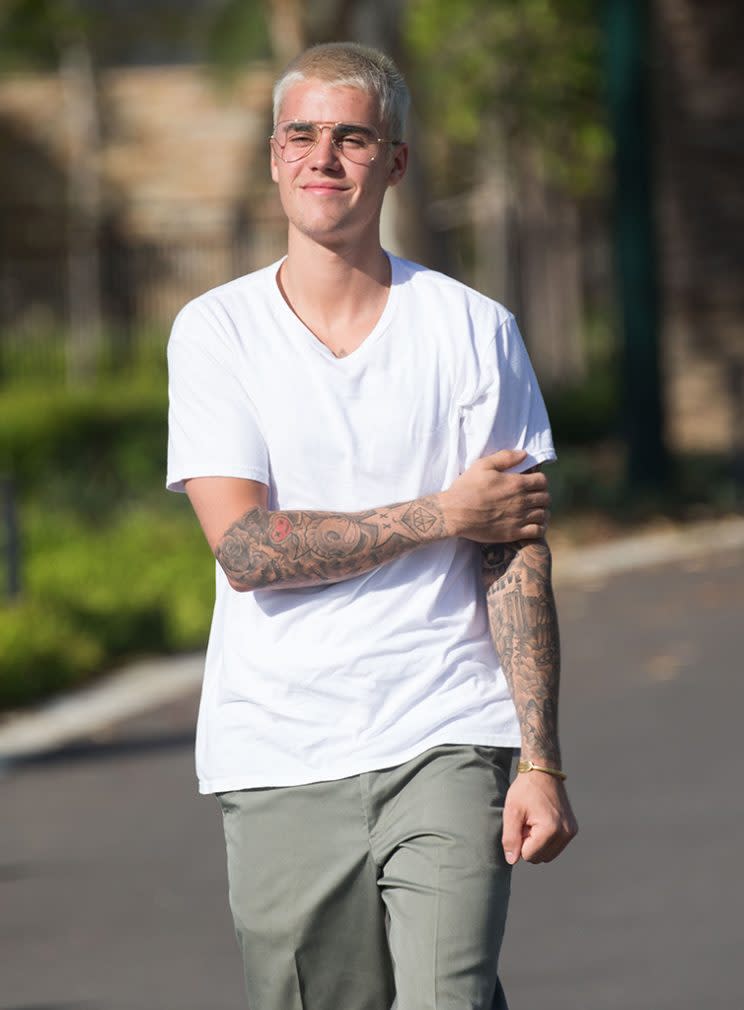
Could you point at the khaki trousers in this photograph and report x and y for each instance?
(389, 885)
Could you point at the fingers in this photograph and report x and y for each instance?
(538, 820)
(512, 836)
(544, 849)
(537, 500)
(504, 459)
(533, 481)
(546, 841)
(531, 531)
(541, 516)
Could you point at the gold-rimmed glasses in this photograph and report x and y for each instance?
(294, 139)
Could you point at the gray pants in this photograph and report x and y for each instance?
(391, 884)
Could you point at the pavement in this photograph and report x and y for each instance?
(112, 880)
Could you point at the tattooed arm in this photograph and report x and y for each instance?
(538, 820)
(263, 549)
(524, 628)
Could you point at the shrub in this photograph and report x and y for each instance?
(113, 566)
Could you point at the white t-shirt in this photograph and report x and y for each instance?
(305, 685)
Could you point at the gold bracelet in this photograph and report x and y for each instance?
(525, 765)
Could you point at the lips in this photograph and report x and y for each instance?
(321, 183)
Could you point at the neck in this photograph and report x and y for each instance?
(332, 279)
(339, 296)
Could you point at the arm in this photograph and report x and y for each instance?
(297, 548)
(260, 548)
(538, 820)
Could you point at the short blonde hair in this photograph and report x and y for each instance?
(350, 64)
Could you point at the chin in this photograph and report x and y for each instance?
(324, 232)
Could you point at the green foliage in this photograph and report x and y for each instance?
(41, 651)
(34, 31)
(531, 67)
(91, 450)
(236, 34)
(112, 565)
(586, 413)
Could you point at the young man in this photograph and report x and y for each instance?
(344, 423)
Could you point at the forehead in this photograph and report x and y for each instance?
(324, 101)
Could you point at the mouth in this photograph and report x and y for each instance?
(322, 187)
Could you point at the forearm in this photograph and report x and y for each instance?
(294, 549)
(524, 628)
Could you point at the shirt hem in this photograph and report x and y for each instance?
(174, 483)
(235, 782)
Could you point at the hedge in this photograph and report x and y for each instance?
(112, 566)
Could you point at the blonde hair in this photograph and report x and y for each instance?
(350, 64)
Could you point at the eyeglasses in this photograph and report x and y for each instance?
(293, 140)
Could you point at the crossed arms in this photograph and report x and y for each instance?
(262, 549)
(506, 513)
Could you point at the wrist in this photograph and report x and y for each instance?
(451, 517)
(546, 767)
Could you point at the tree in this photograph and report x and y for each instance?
(511, 94)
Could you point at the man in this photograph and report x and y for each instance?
(343, 422)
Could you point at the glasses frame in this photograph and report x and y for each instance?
(326, 125)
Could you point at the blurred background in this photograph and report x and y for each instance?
(580, 161)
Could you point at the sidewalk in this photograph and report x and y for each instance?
(151, 683)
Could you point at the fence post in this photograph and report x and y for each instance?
(12, 538)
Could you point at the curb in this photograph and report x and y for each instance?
(129, 692)
(646, 550)
(151, 683)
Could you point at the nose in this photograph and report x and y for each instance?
(324, 154)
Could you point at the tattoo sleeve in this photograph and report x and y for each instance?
(286, 549)
(524, 628)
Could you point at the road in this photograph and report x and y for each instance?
(112, 881)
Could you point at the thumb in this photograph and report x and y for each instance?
(505, 459)
(511, 836)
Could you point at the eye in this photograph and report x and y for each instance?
(353, 137)
(299, 135)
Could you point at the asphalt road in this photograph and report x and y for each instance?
(112, 881)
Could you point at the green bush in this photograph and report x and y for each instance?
(42, 651)
(587, 413)
(112, 566)
(89, 451)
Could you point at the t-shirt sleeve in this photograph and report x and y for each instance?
(213, 427)
(506, 409)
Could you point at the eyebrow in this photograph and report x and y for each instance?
(323, 122)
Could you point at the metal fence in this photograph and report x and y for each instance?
(130, 296)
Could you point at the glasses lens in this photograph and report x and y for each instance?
(357, 143)
(296, 140)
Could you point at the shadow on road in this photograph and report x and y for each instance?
(101, 750)
(50, 1006)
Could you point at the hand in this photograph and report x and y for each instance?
(538, 819)
(489, 506)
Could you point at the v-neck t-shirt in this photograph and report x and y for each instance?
(305, 685)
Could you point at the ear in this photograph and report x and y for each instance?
(272, 164)
(398, 164)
